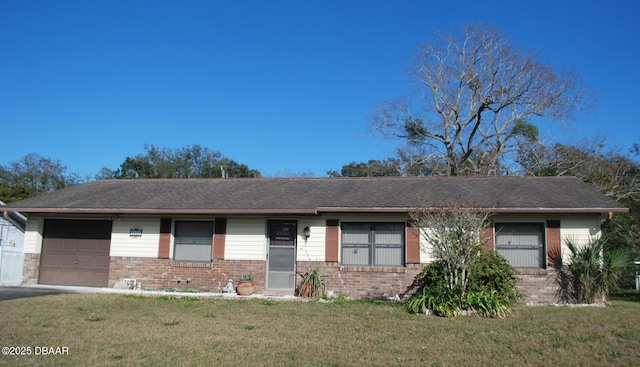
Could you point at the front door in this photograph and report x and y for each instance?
(281, 255)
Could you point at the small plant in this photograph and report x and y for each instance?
(488, 303)
(311, 285)
(245, 286)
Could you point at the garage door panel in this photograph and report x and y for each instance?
(71, 245)
(75, 252)
(102, 263)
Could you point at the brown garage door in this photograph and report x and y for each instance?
(75, 252)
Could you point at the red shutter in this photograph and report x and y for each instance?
(164, 248)
(554, 251)
(219, 238)
(413, 245)
(488, 237)
(331, 241)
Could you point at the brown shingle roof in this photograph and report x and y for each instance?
(315, 195)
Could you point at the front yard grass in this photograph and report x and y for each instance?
(119, 330)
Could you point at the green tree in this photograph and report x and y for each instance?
(372, 168)
(190, 162)
(406, 162)
(480, 97)
(611, 173)
(33, 175)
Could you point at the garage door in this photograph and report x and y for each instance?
(75, 252)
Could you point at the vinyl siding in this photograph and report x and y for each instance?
(122, 244)
(246, 239)
(580, 230)
(314, 248)
(33, 235)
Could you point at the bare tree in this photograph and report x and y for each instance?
(478, 96)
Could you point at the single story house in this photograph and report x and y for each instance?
(199, 233)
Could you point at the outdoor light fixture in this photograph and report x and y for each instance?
(307, 232)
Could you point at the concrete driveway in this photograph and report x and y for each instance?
(7, 293)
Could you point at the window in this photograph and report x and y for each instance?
(522, 244)
(378, 244)
(193, 241)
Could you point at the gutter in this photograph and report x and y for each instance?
(306, 211)
(161, 211)
(492, 210)
(21, 225)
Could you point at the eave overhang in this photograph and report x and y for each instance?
(303, 211)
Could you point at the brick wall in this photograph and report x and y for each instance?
(352, 282)
(366, 281)
(162, 274)
(539, 286)
(31, 270)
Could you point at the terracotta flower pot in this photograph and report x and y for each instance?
(245, 287)
(305, 290)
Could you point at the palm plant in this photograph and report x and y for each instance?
(312, 285)
(592, 273)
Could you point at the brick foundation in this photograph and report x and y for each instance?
(31, 269)
(366, 281)
(352, 282)
(162, 274)
(539, 286)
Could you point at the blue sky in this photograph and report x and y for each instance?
(282, 86)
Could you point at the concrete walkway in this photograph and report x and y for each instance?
(23, 291)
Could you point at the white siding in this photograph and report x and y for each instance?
(33, 235)
(314, 248)
(426, 251)
(579, 230)
(245, 240)
(122, 244)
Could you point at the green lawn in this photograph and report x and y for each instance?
(102, 330)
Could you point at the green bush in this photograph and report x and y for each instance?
(592, 273)
(434, 294)
(491, 289)
(490, 272)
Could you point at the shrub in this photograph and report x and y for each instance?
(491, 289)
(490, 272)
(591, 273)
(434, 294)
